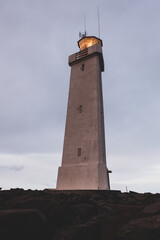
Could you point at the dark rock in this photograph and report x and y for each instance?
(105, 210)
(153, 208)
(82, 212)
(22, 224)
(152, 222)
(143, 228)
(77, 215)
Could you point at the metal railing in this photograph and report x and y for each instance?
(82, 53)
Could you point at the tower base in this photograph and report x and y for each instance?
(83, 177)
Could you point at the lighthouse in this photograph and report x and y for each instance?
(84, 156)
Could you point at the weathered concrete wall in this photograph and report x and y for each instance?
(84, 126)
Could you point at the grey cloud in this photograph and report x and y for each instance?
(11, 168)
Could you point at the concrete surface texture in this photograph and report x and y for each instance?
(84, 155)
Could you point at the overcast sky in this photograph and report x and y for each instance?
(36, 38)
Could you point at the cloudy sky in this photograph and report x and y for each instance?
(36, 38)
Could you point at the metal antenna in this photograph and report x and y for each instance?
(98, 22)
(85, 33)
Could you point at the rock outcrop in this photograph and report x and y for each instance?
(79, 215)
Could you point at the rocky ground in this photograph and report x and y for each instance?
(79, 215)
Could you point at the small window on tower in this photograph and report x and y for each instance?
(82, 67)
(79, 152)
(79, 108)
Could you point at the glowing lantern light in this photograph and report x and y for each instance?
(88, 41)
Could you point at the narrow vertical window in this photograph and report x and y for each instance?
(79, 108)
(82, 66)
(79, 152)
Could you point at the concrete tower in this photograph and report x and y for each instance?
(84, 155)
